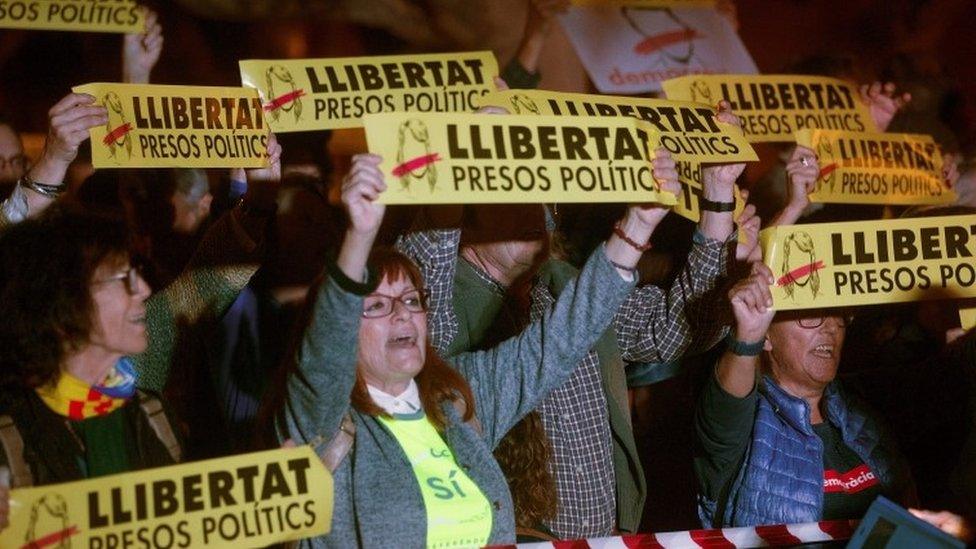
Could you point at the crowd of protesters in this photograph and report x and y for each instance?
(498, 338)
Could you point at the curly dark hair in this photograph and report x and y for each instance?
(523, 456)
(45, 288)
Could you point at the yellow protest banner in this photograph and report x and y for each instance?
(321, 94)
(648, 3)
(155, 126)
(688, 130)
(73, 15)
(248, 500)
(774, 106)
(877, 168)
(869, 262)
(435, 158)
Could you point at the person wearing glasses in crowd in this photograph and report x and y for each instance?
(781, 441)
(424, 430)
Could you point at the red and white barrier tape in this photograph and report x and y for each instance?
(725, 538)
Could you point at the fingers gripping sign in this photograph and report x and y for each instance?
(883, 102)
(752, 304)
(360, 190)
(803, 170)
(665, 173)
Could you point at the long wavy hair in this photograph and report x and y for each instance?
(437, 381)
(524, 455)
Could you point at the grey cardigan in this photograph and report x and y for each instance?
(377, 500)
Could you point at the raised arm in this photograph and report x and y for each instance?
(319, 391)
(655, 325)
(68, 123)
(141, 51)
(523, 70)
(225, 260)
(802, 172)
(510, 379)
(726, 409)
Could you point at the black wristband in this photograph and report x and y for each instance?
(742, 348)
(348, 284)
(711, 206)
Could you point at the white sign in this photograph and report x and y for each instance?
(632, 50)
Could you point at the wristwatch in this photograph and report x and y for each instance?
(50, 191)
(711, 206)
(742, 348)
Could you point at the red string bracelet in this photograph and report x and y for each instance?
(623, 236)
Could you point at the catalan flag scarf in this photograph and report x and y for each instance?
(77, 400)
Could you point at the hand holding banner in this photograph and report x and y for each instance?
(484, 159)
(877, 168)
(249, 500)
(154, 126)
(869, 262)
(324, 94)
(774, 106)
(73, 15)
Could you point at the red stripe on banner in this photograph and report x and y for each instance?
(651, 44)
(641, 541)
(777, 534)
(838, 529)
(51, 539)
(115, 134)
(415, 164)
(283, 100)
(711, 539)
(799, 272)
(828, 169)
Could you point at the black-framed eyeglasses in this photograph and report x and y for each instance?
(811, 323)
(379, 305)
(17, 162)
(130, 278)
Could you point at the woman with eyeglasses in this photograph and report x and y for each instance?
(408, 435)
(781, 441)
(74, 309)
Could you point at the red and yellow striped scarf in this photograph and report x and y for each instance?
(77, 400)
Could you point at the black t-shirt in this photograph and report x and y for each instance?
(849, 484)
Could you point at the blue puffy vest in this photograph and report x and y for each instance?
(781, 478)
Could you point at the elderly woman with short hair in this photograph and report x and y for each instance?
(782, 442)
(421, 471)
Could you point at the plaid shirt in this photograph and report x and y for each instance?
(652, 325)
(656, 325)
(435, 252)
(576, 421)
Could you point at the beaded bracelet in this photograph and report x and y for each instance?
(623, 236)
